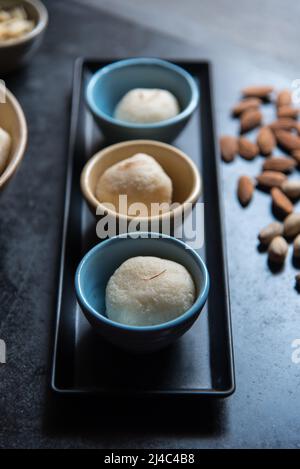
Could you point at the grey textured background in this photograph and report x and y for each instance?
(251, 43)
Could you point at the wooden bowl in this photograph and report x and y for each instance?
(179, 167)
(12, 120)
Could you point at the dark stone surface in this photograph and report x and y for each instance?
(264, 411)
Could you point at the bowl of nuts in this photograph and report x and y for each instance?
(22, 26)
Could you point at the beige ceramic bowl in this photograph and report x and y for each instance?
(180, 168)
(16, 52)
(13, 121)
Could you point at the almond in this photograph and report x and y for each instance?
(287, 111)
(257, 91)
(296, 155)
(296, 246)
(284, 98)
(285, 165)
(287, 140)
(297, 126)
(291, 225)
(271, 179)
(266, 141)
(283, 124)
(250, 119)
(247, 149)
(245, 190)
(270, 231)
(229, 147)
(281, 202)
(278, 250)
(245, 105)
(291, 188)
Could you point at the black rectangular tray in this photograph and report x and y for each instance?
(201, 362)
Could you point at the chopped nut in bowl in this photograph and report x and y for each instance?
(14, 23)
(22, 24)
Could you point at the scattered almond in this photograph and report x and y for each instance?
(245, 105)
(284, 98)
(266, 235)
(271, 179)
(250, 119)
(291, 188)
(257, 91)
(296, 246)
(278, 250)
(287, 140)
(296, 155)
(245, 190)
(281, 202)
(266, 141)
(229, 147)
(287, 111)
(283, 124)
(291, 225)
(247, 149)
(297, 126)
(285, 165)
(285, 132)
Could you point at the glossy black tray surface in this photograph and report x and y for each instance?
(201, 362)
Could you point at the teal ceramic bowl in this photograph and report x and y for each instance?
(111, 83)
(100, 263)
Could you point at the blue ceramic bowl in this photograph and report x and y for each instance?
(100, 263)
(111, 83)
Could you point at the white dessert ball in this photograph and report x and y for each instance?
(139, 177)
(145, 106)
(5, 144)
(145, 291)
